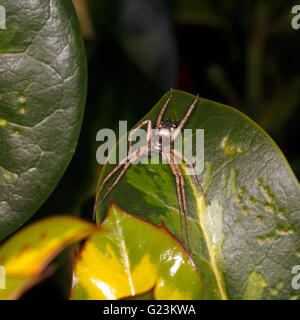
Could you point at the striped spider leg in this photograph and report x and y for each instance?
(135, 157)
(132, 157)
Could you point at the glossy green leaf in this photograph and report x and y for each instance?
(246, 243)
(26, 255)
(42, 96)
(129, 257)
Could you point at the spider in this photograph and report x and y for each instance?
(164, 128)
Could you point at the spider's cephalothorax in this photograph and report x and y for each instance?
(164, 129)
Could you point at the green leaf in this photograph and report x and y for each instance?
(26, 255)
(42, 96)
(114, 264)
(247, 241)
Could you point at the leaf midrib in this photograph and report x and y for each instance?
(125, 258)
(200, 203)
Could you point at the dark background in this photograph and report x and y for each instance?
(241, 53)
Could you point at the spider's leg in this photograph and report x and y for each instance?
(126, 158)
(121, 163)
(184, 205)
(184, 120)
(189, 163)
(114, 184)
(162, 111)
(132, 157)
(96, 206)
(149, 137)
(178, 188)
(107, 178)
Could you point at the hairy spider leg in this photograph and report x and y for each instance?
(116, 181)
(97, 205)
(184, 120)
(162, 111)
(178, 189)
(189, 163)
(184, 205)
(123, 161)
(127, 161)
(120, 164)
(149, 133)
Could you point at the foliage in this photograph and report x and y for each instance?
(42, 97)
(252, 224)
(243, 54)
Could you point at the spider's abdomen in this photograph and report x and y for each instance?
(164, 132)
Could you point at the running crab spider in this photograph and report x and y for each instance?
(164, 128)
